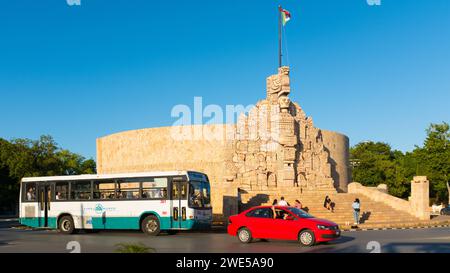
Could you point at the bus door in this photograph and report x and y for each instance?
(45, 193)
(179, 204)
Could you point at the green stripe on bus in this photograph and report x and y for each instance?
(38, 222)
(119, 223)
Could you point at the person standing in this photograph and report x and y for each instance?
(275, 202)
(356, 210)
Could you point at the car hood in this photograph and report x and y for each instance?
(323, 222)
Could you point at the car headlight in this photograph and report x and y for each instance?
(324, 227)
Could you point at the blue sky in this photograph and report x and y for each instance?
(377, 73)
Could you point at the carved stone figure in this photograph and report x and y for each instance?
(277, 144)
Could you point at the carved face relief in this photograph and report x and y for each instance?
(283, 70)
(274, 84)
(284, 102)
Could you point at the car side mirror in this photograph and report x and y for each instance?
(290, 218)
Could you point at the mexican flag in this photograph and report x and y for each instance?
(285, 16)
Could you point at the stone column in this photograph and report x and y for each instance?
(420, 197)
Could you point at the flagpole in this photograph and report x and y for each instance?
(279, 37)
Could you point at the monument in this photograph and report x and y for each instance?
(276, 147)
(275, 150)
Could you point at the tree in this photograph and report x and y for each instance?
(27, 158)
(376, 164)
(433, 160)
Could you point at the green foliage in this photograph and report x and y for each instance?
(27, 158)
(434, 160)
(133, 248)
(376, 163)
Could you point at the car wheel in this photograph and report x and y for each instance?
(244, 235)
(306, 238)
(150, 225)
(66, 225)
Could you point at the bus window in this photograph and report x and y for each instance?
(30, 192)
(199, 194)
(155, 188)
(80, 190)
(104, 190)
(128, 190)
(62, 190)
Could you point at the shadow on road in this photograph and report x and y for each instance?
(9, 224)
(417, 247)
(341, 240)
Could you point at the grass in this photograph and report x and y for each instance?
(133, 248)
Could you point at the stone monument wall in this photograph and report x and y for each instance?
(154, 149)
(338, 146)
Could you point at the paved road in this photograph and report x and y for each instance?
(415, 240)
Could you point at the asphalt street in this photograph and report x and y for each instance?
(18, 240)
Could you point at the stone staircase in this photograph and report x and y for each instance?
(372, 213)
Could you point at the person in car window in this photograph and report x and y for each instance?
(280, 214)
(286, 215)
(274, 213)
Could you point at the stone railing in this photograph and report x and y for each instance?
(379, 194)
(417, 204)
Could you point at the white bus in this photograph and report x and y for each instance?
(152, 202)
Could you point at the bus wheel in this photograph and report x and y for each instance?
(150, 225)
(66, 225)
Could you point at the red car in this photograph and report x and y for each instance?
(289, 223)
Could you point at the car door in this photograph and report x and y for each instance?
(260, 221)
(286, 229)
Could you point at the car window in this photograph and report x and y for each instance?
(300, 213)
(260, 213)
(281, 214)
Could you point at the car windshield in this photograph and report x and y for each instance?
(300, 213)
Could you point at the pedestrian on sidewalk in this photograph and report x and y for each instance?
(275, 202)
(356, 210)
(298, 204)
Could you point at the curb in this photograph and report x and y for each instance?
(396, 228)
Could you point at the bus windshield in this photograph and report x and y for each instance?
(199, 194)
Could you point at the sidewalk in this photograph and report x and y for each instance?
(441, 221)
